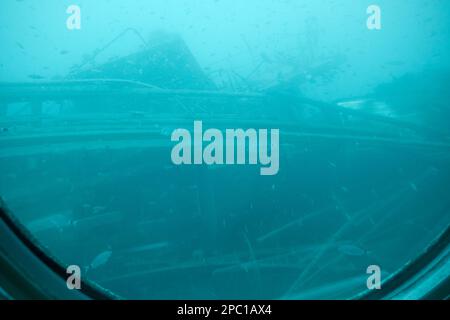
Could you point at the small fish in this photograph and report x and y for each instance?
(98, 209)
(149, 247)
(20, 45)
(53, 222)
(35, 77)
(63, 52)
(395, 63)
(413, 186)
(100, 260)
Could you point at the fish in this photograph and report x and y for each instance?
(352, 104)
(149, 247)
(53, 222)
(395, 63)
(35, 77)
(100, 260)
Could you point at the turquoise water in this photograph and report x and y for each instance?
(87, 117)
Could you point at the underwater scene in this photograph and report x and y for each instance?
(224, 149)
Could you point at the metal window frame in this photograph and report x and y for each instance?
(28, 272)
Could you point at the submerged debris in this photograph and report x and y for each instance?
(351, 250)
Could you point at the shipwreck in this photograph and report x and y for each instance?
(95, 147)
